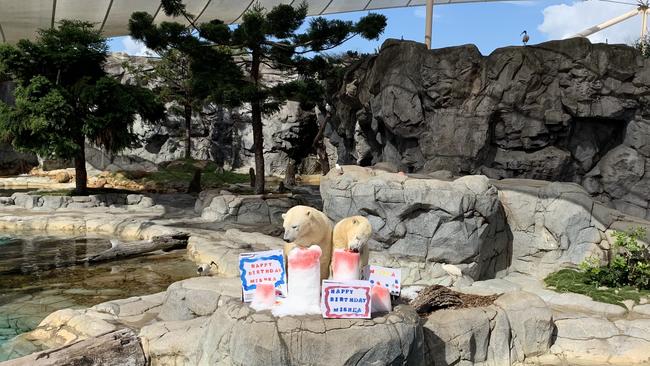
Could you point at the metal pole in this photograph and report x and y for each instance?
(429, 24)
(609, 23)
(644, 22)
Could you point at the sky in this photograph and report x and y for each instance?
(487, 25)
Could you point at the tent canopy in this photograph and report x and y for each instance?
(22, 18)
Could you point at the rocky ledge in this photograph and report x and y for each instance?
(486, 228)
(203, 321)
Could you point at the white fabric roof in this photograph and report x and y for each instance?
(22, 18)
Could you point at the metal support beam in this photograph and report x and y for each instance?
(429, 24)
(607, 24)
(644, 24)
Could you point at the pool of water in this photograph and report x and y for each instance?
(7, 192)
(36, 278)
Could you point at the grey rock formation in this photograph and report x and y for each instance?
(424, 221)
(486, 228)
(220, 135)
(517, 326)
(46, 203)
(560, 111)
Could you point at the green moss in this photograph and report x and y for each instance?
(569, 280)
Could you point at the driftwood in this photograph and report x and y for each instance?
(122, 250)
(131, 249)
(118, 348)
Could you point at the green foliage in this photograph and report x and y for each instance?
(263, 38)
(64, 96)
(569, 280)
(629, 265)
(181, 174)
(643, 45)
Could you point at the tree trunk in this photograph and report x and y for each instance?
(290, 173)
(119, 347)
(188, 132)
(319, 145)
(256, 116)
(81, 177)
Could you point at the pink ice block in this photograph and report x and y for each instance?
(264, 296)
(303, 258)
(380, 299)
(345, 265)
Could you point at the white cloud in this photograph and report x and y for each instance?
(562, 21)
(136, 48)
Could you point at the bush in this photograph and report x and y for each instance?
(630, 265)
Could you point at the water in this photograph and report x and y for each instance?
(36, 278)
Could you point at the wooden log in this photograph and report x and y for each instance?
(117, 348)
(132, 249)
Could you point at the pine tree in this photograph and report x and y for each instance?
(65, 97)
(263, 38)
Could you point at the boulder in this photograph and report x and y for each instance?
(423, 221)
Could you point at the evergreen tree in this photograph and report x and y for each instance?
(65, 97)
(263, 39)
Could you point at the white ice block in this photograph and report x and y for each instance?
(304, 283)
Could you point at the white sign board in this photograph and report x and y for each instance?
(262, 267)
(389, 278)
(346, 299)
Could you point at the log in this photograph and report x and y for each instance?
(131, 249)
(117, 348)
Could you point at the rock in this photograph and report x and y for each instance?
(247, 209)
(25, 200)
(424, 220)
(227, 330)
(500, 334)
(62, 177)
(563, 111)
(531, 322)
(391, 339)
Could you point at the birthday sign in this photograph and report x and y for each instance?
(389, 278)
(346, 299)
(262, 267)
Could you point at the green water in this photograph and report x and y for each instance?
(36, 279)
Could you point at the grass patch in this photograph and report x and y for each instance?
(180, 173)
(569, 280)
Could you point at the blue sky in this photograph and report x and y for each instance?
(488, 25)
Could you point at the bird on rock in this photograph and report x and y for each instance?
(525, 37)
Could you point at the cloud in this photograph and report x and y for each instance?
(562, 21)
(136, 48)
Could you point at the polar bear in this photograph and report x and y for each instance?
(304, 226)
(352, 233)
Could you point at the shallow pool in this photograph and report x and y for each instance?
(36, 279)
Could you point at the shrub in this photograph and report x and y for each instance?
(629, 266)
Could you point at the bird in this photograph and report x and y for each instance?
(525, 37)
(452, 270)
(339, 169)
(114, 243)
(204, 269)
